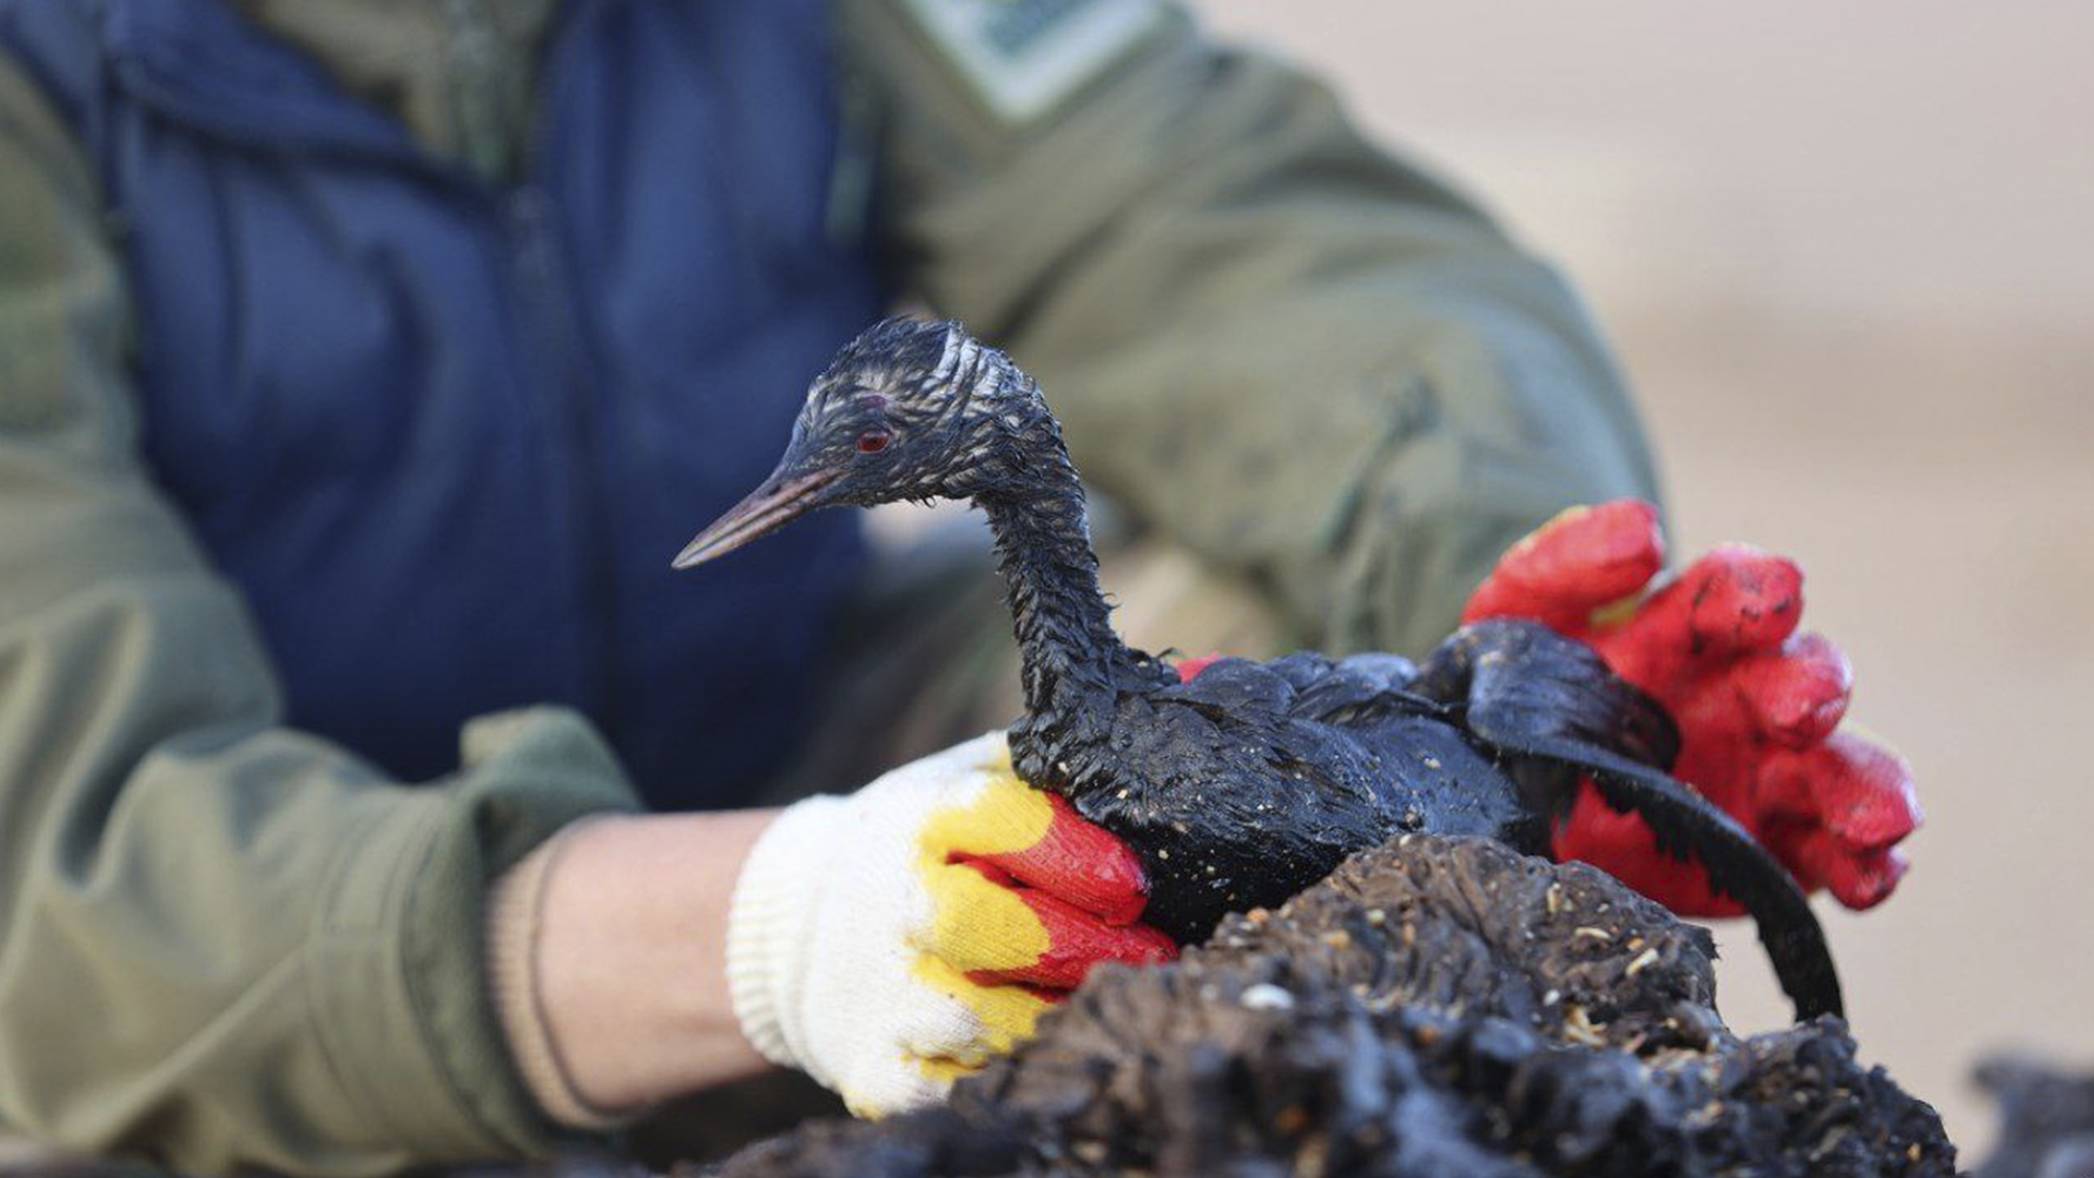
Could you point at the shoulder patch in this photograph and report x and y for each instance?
(1023, 57)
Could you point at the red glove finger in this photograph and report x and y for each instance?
(1076, 941)
(1734, 716)
(1837, 811)
(1082, 864)
(1582, 560)
(1857, 879)
(1796, 695)
(1733, 601)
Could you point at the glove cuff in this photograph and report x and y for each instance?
(770, 924)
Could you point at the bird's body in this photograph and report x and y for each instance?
(1238, 789)
(1250, 781)
(1242, 785)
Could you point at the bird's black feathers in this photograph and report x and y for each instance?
(1254, 780)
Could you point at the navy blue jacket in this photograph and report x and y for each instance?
(446, 436)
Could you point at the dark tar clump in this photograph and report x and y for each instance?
(1438, 1007)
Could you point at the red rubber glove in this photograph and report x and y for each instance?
(1757, 705)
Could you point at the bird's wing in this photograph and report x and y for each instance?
(1538, 680)
(1351, 692)
(1233, 686)
(1253, 721)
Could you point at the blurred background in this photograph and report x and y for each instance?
(1844, 251)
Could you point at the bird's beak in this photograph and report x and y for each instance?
(781, 499)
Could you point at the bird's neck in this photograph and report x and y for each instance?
(1072, 663)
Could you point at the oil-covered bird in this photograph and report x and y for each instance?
(1253, 780)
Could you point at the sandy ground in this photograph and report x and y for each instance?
(1843, 252)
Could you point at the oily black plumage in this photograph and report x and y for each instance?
(1254, 780)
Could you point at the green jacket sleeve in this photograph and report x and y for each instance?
(1304, 359)
(224, 942)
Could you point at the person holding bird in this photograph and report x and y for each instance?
(376, 797)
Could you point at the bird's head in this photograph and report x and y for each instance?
(909, 410)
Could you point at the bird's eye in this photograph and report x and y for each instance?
(873, 441)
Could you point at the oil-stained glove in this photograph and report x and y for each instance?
(1757, 703)
(890, 941)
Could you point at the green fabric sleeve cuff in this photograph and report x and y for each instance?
(397, 962)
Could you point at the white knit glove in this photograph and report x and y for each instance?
(890, 941)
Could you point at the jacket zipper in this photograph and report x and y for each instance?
(560, 371)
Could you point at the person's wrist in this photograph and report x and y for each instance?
(622, 996)
(513, 924)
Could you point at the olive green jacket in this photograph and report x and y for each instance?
(224, 942)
